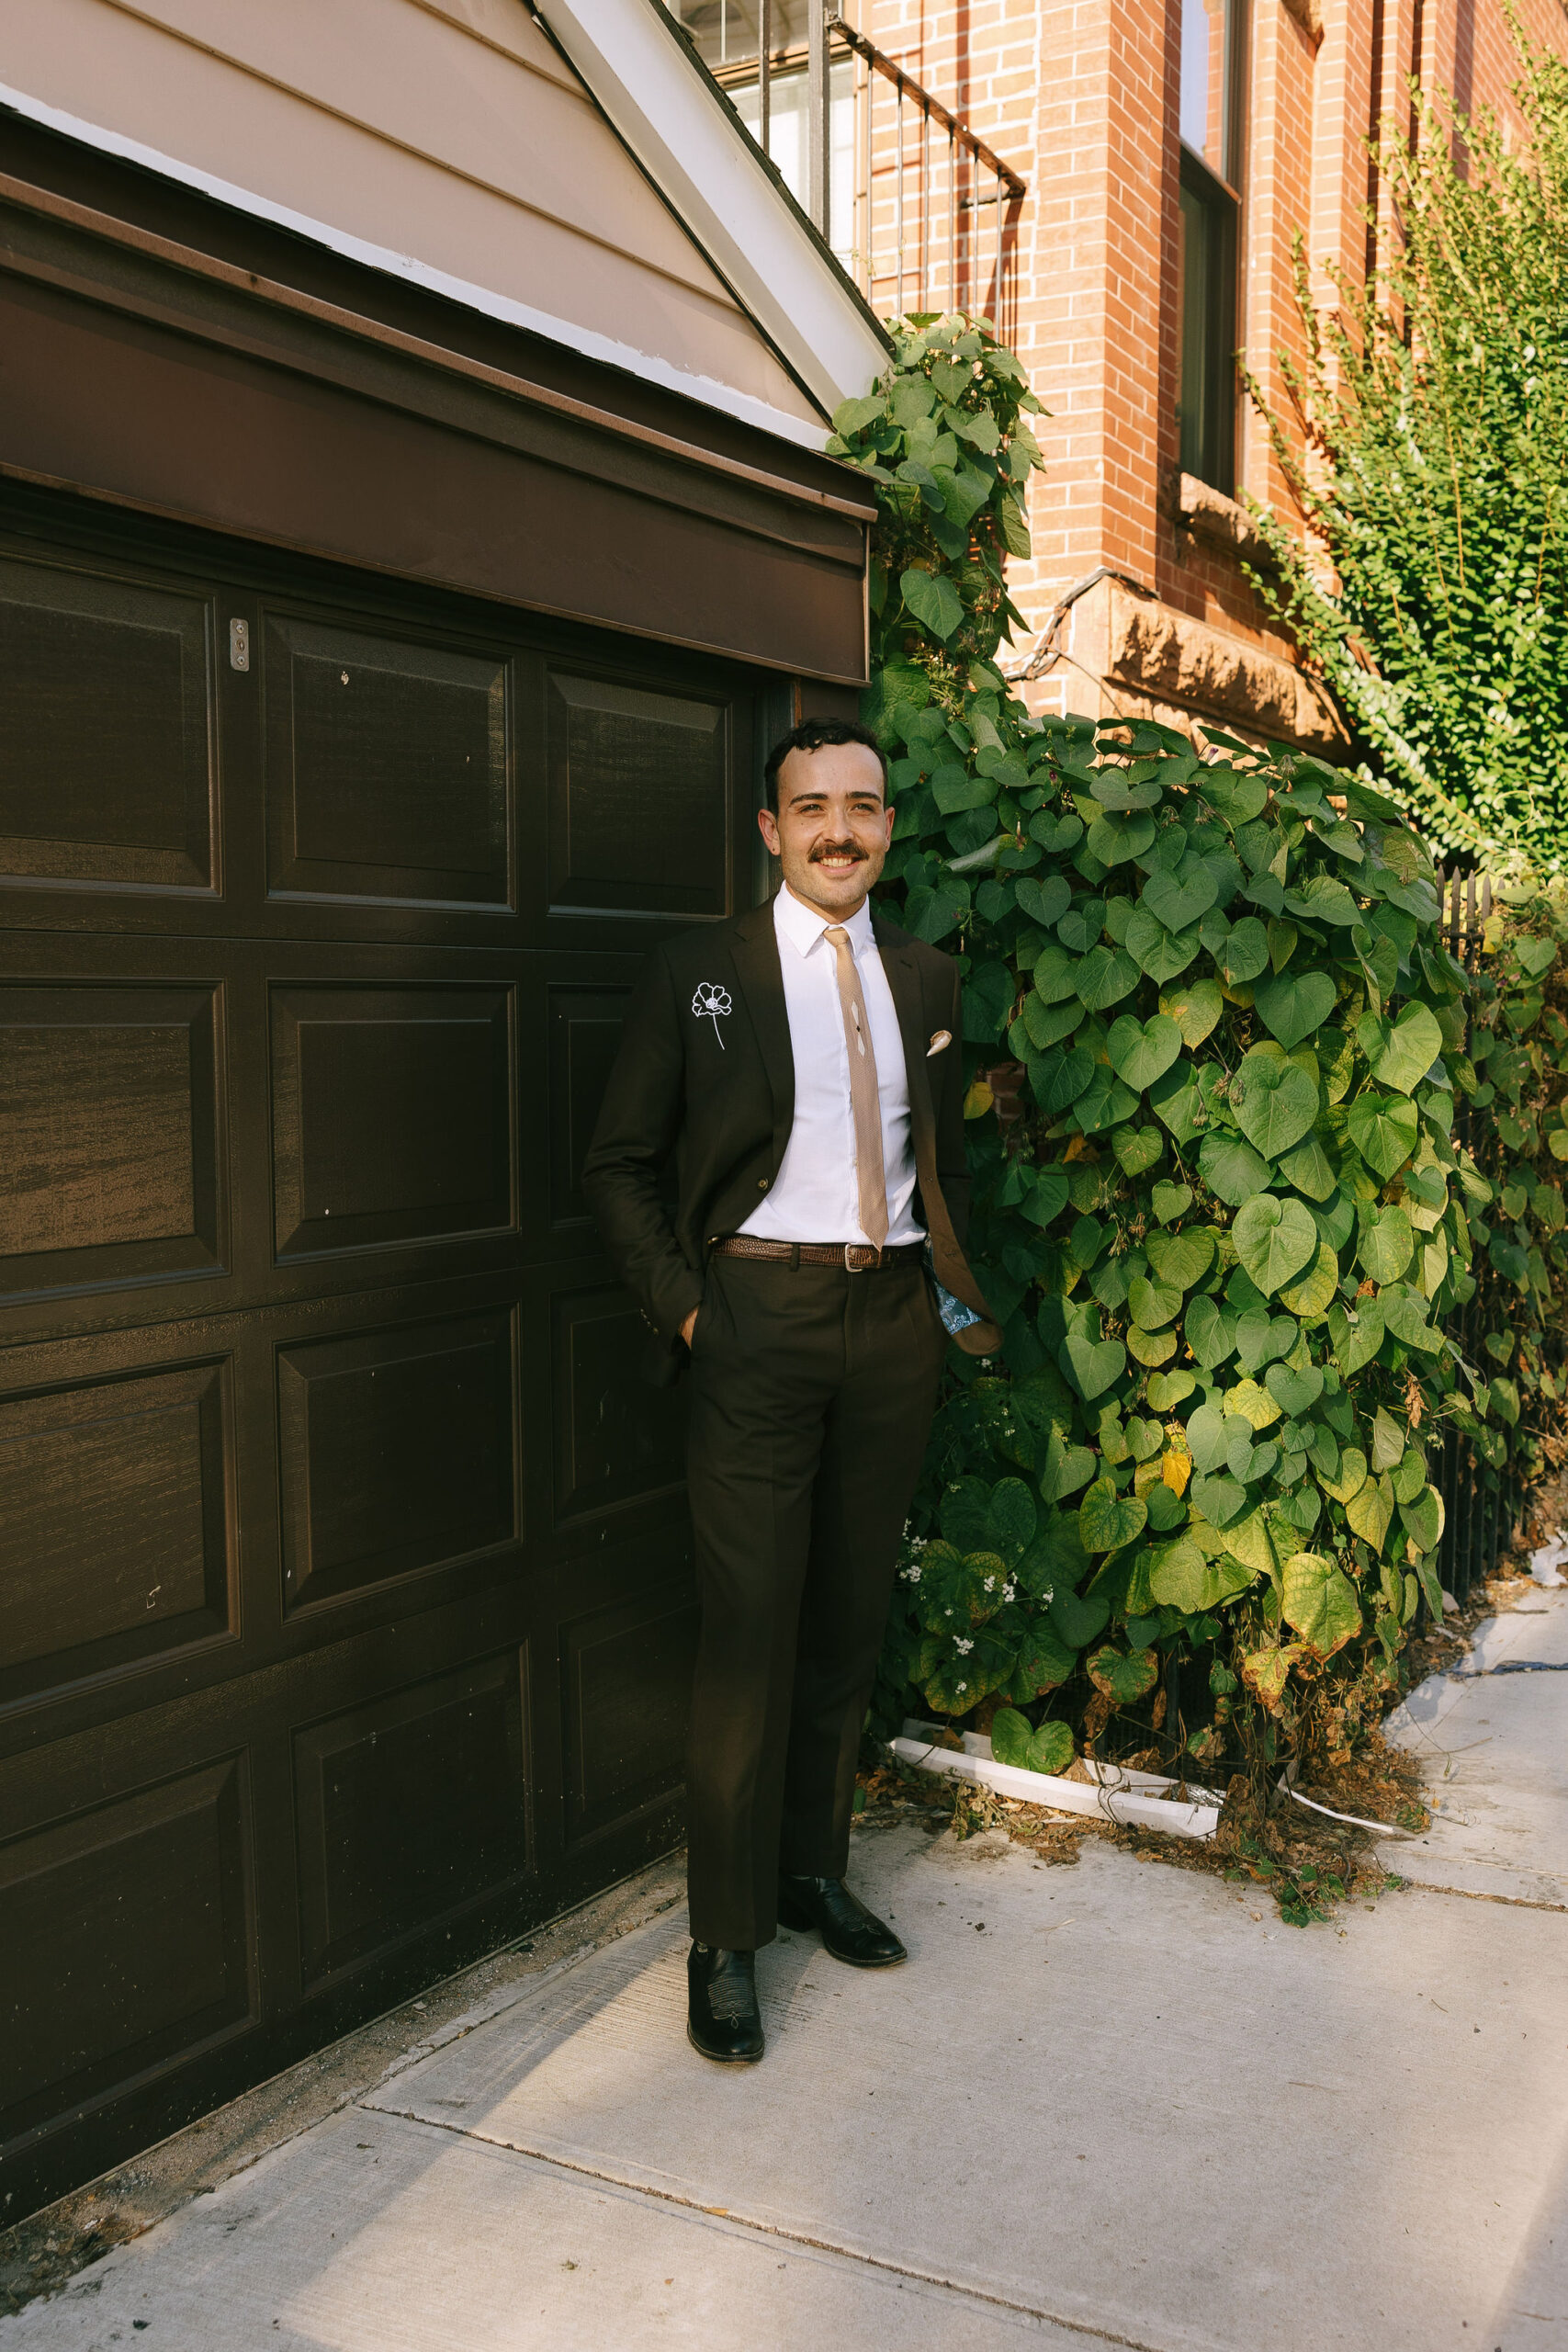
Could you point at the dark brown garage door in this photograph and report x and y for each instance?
(344, 1604)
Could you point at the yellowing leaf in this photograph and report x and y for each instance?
(978, 1100)
(1176, 1469)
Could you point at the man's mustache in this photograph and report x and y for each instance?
(836, 849)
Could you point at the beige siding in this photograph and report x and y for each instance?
(446, 130)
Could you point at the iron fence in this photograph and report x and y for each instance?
(1481, 1504)
(919, 208)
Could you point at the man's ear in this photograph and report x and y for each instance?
(768, 826)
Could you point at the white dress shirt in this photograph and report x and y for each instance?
(816, 1196)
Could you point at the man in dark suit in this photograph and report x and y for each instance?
(801, 1063)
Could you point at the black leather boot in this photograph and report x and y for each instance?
(722, 2018)
(847, 1929)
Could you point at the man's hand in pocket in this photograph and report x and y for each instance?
(689, 1326)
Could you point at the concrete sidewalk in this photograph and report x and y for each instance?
(1111, 2103)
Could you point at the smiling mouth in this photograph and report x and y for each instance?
(842, 859)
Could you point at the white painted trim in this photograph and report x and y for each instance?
(643, 365)
(691, 144)
(1134, 1798)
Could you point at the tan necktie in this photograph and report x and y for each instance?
(865, 1100)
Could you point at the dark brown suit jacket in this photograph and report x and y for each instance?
(718, 1095)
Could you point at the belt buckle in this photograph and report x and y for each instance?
(861, 1257)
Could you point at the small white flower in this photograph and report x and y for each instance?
(963, 1647)
(711, 1004)
(990, 1583)
(1008, 1591)
(962, 1686)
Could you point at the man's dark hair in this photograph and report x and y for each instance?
(816, 735)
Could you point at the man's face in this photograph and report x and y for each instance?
(833, 827)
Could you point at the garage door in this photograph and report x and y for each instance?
(345, 1611)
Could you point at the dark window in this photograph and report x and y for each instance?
(1212, 38)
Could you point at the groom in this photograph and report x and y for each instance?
(801, 1063)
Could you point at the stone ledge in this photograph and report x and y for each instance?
(1164, 653)
(1209, 515)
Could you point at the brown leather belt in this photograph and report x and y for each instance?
(855, 1257)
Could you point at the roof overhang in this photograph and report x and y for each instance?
(675, 119)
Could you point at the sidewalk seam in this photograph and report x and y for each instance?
(774, 2229)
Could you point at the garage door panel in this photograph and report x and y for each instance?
(639, 797)
(397, 1453)
(391, 1115)
(626, 1689)
(388, 762)
(620, 1442)
(107, 777)
(117, 1499)
(410, 1807)
(584, 1026)
(109, 1135)
(142, 1906)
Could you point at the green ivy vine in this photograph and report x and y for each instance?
(1227, 1213)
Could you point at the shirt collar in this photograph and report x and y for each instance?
(803, 927)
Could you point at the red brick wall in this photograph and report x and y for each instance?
(1080, 96)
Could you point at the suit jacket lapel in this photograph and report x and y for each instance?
(755, 950)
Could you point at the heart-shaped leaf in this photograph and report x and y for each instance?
(1260, 1338)
(1180, 1258)
(1124, 1681)
(1195, 1009)
(1207, 1438)
(1388, 1440)
(1152, 1303)
(1220, 1499)
(1311, 1291)
(1080, 927)
(1058, 1079)
(1275, 1103)
(1137, 1149)
(1309, 1168)
(1234, 1172)
(1409, 1476)
(1107, 1520)
(1169, 1388)
(1274, 1240)
(1093, 1365)
(1011, 1517)
(1384, 1130)
(1179, 898)
(1297, 1392)
(1244, 1459)
(1170, 1201)
(1247, 1401)
(1104, 1102)
(1364, 1338)
(1320, 1602)
(1044, 901)
(1369, 1510)
(1151, 1347)
(1048, 1196)
(1403, 1051)
(1104, 977)
(1209, 1332)
(1141, 1051)
(1423, 1519)
(1078, 1622)
(1120, 833)
(1066, 1468)
(1404, 1314)
(1010, 1735)
(1161, 953)
(1055, 974)
(932, 599)
(1178, 1577)
(1294, 1005)
(1244, 953)
(1235, 796)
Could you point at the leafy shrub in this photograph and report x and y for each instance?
(1435, 484)
(1227, 1224)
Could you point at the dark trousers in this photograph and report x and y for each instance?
(813, 1391)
